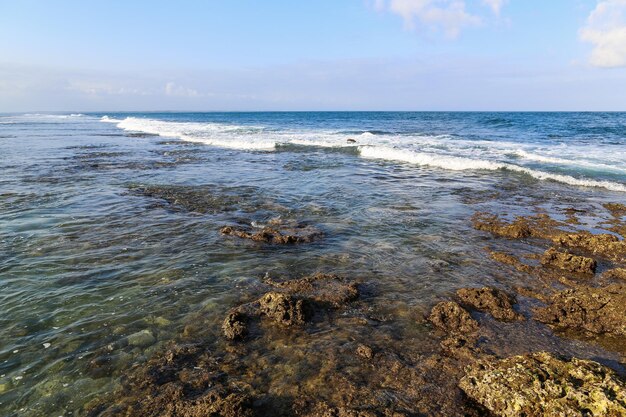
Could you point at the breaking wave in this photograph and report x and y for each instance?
(453, 154)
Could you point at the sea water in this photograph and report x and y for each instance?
(95, 278)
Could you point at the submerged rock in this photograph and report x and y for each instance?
(568, 262)
(452, 318)
(235, 325)
(491, 300)
(291, 302)
(615, 273)
(323, 289)
(587, 309)
(203, 199)
(515, 230)
(541, 385)
(284, 309)
(297, 234)
(143, 338)
(364, 351)
(607, 245)
(616, 209)
(183, 381)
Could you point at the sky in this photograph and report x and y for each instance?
(245, 55)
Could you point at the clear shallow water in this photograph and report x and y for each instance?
(84, 263)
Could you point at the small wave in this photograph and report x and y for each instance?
(455, 163)
(568, 162)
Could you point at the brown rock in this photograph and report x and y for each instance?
(607, 245)
(491, 300)
(235, 325)
(364, 351)
(452, 318)
(541, 385)
(284, 309)
(615, 273)
(568, 262)
(588, 309)
(298, 234)
(515, 230)
(616, 209)
(327, 289)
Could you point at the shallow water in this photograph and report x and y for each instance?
(86, 262)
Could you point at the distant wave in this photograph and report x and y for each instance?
(567, 162)
(461, 164)
(433, 151)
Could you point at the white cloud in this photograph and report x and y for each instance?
(172, 89)
(606, 30)
(495, 5)
(448, 16)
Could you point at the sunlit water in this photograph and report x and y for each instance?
(85, 263)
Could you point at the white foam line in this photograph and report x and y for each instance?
(221, 135)
(461, 164)
(569, 162)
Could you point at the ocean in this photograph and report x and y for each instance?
(110, 243)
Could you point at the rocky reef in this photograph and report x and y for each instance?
(277, 235)
(315, 345)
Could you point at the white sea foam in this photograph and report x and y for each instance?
(443, 152)
(575, 160)
(462, 164)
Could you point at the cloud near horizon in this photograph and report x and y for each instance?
(606, 30)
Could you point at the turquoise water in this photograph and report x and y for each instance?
(95, 277)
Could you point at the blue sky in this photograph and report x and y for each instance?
(313, 55)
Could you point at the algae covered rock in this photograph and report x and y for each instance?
(517, 229)
(289, 235)
(235, 325)
(143, 338)
(284, 309)
(607, 245)
(491, 300)
(566, 261)
(615, 273)
(596, 310)
(540, 384)
(452, 318)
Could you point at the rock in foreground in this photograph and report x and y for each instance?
(587, 309)
(568, 262)
(491, 300)
(541, 385)
(452, 318)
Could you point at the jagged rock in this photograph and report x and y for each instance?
(588, 309)
(452, 318)
(515, 230)
(320, 288)
(293, 302)
(607, 245)
(235, 325)
(568, 262)
(284, 309)
(541, 385)
(491, 300)
(364, 351)
(298, 234)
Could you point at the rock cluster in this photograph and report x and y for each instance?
(540, 384)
